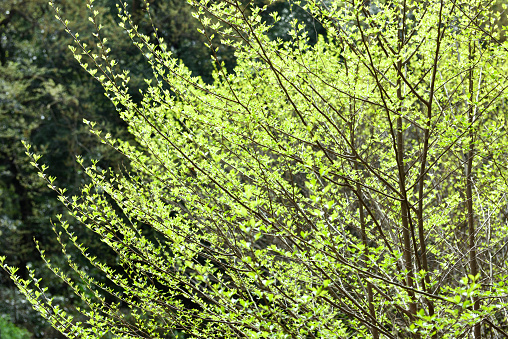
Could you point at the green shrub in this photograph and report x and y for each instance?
(10, 331)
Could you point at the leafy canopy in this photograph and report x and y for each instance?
(353, 188)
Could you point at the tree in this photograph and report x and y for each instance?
(350, 188)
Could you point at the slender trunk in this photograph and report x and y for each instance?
(406, 232)
(408, 261)
(421, 231)
(370, 296)
(469, 193)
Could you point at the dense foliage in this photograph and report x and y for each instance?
(348, 186)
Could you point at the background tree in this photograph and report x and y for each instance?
(350, 188)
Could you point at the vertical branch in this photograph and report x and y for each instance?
(370, 296)
(408, 261)
(421, 181)
(469, 189)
